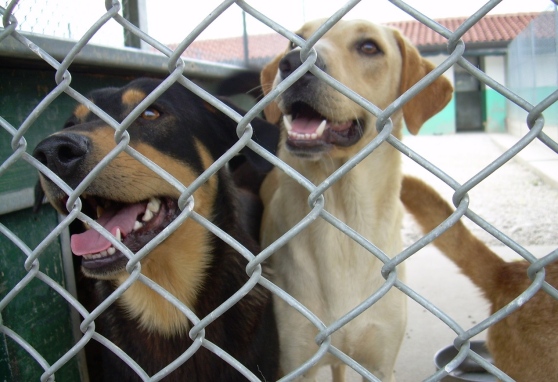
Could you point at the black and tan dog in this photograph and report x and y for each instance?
(184, 135)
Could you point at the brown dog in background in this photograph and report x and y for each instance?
(524, 344)
(322, 267)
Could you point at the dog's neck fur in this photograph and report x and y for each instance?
(348, 198)
(179, 267)
(181, 275)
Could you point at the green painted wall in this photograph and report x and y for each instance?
(441, 123)
(495, 111)
(37, 314)
(550, 114)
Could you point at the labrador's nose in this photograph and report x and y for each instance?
(292, 61)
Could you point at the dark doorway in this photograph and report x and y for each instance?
(468, 99)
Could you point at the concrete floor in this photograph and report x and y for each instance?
(440, 281)
(429, 273)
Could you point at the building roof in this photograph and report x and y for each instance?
(490, 30)
(495, 31)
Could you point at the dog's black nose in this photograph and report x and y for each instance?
(291, 62)
(62, 153)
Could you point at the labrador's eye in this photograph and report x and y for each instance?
(150, 114)
(294, 45)
(369, 48)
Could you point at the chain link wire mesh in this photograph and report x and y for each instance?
(528, 54)
(42, 18)
(57, 19)
(32, 257)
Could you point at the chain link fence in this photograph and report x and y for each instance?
(535, 49)
(34, 267)
(57, 19)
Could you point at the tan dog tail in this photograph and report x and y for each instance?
(474, 258)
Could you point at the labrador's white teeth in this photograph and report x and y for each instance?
(118, 234)
(321, 128)
(100, 211)
(303, 136)
(147, 216)
(287, 121)
(137, 225)
(154, 205)
(111, 251)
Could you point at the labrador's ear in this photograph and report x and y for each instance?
(429, 101)
(267, 76)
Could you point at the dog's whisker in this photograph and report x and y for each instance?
(323, 264)
(137, 205)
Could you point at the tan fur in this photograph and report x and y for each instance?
(133, 97)
(418, 109)
(182, 255)
(182, 277)
(81, 112)
(523, 344)
(321, 267)
(207, 161)
(267, 77)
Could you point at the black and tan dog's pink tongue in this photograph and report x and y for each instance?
(91, 241)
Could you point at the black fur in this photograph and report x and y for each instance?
(247, 331)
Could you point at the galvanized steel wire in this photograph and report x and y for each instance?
(31, 257)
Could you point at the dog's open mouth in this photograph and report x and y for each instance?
(308, 129)
(132, 224)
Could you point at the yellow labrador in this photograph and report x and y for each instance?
(322, 267)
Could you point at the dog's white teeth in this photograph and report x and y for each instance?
(100, 211)
(147, 216)
(287, 121)
(94, 256)
(137, 225)
(302, 136)
(154, 205)
(118, 234)
(321, 128)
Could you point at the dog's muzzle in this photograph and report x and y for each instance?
(133, 223)
(310, 130)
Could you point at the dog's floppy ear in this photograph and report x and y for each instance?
(269, 72)
(429, 101)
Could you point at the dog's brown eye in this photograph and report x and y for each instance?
(150, 114)
(369, 48)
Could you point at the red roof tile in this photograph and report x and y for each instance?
(490, 29)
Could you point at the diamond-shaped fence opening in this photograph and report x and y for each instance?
(47, 318)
